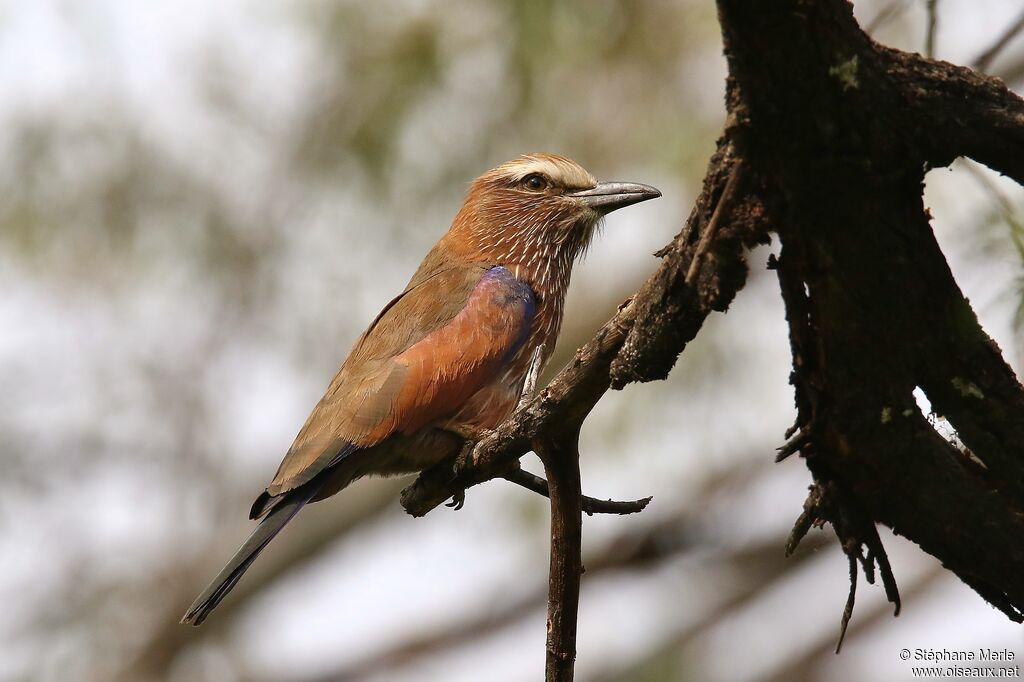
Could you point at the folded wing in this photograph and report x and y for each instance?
(431, 349)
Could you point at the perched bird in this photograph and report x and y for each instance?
(446, 359)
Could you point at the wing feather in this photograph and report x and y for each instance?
(427, 353)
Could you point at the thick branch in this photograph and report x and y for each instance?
(703, 269)
(962, 112)
(846, 129)
(561, 460)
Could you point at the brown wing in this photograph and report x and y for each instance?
(424, 356)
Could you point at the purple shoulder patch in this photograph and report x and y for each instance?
(514, 292)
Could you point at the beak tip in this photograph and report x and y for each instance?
(609, 196)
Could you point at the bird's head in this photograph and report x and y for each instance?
(538, 211)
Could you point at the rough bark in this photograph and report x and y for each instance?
(846, 129)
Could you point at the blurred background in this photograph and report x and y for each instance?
(202, 206)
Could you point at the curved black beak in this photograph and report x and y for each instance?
(608, 196)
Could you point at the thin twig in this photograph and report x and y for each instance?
(712, 227)
(850, 600)
(985, 59)
(808, 517)
(995, 193)
(591, 505)
(794, 444)
(877, 553)
(1012, 73)
(891, 11)
(933, 22)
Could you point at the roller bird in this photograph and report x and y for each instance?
(445, 360)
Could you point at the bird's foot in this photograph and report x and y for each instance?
(467, 432)
(467, 456)
(471, 436)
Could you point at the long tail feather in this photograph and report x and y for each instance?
(283, 512)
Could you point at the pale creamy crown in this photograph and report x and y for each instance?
(558, 169)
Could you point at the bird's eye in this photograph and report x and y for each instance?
(535, 182)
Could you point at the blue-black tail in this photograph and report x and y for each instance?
(283, 511)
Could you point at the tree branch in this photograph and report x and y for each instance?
(699, 275)
(892, 10)
(932, 7)
(984, 60)
(591, 506)
(561, 460)
(952, 111)
(846, 129)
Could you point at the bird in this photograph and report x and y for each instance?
(445, 360)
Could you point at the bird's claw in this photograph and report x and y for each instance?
(471, 436)
(465, 456)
